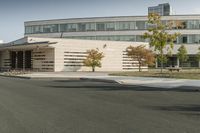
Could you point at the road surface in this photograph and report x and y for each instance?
(83, 106)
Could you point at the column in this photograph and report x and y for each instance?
(24, 61)
(178, 62)
(16, 60)
(199, 63)
(156, 63)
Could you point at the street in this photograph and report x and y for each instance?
(84, 106)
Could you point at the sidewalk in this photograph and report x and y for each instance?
(141, 81)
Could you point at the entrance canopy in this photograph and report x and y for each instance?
(26, 46)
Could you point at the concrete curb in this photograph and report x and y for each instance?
(12, 76)
(40, 78)
(100, 80)
(61, 78)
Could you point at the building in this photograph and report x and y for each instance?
(162, 9)
(1, 41)
(58, 54)
(122, 28)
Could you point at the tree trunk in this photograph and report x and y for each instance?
(93, 69)
(139, 67)
(139, 63)
(162, 59)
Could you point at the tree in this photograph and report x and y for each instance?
(158, 36)
(198, 56)
(93, 58)
(182, 54)
(141, 54)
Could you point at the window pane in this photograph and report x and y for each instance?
(63, 27)
(125, 25)
(110, 26)
(193, 24)
(141, 25)
(81, 27)
(100, 27)
(28, 30)
(90, 27)
(194, 39)
(183, 39)
(37, 29)
(71, 27)
(50, 28)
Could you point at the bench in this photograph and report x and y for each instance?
(171, 69)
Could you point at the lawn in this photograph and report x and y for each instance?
(183, 74)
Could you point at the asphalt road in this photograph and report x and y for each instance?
(73, 106)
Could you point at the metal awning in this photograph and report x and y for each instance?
(27, 46)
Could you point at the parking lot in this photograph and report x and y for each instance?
(84, 106)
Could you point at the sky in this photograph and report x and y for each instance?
(13, 13)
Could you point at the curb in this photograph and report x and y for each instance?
(100, 80)
(10, 76)
(196, 88)
(39, 78)
(61, 78)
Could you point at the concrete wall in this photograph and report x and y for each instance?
(5, 59)
(43, 59)
(74, 51)
(68, 54)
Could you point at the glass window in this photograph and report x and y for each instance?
(81, 27)
(193, 24)
(28, 30)
(194, 39)
(100, 26)
(63, 27)
(141, 25)
(37, 29)
(124, 38)
(68, 27)
(111, 38)
(139, 38)
(47, 29)
(90, 26)
(125, 25)
(50, 28)
(110, 26)
(71, 27)
(132, 25)
(179, 24)
(183, 39)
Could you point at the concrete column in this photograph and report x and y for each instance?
(24, 60)
(178, 62)
(156, 63)
(16, 60)
(199, 64)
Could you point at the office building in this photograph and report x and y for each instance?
(122, 28)
(61, 44)
(161, 9)
(57, 54)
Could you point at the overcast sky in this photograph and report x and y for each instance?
(13, 13)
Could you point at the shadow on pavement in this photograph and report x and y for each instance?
(106, 86)
(182, 109)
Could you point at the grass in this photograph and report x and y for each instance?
(183, 74)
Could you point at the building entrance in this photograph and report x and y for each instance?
(21, 59)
